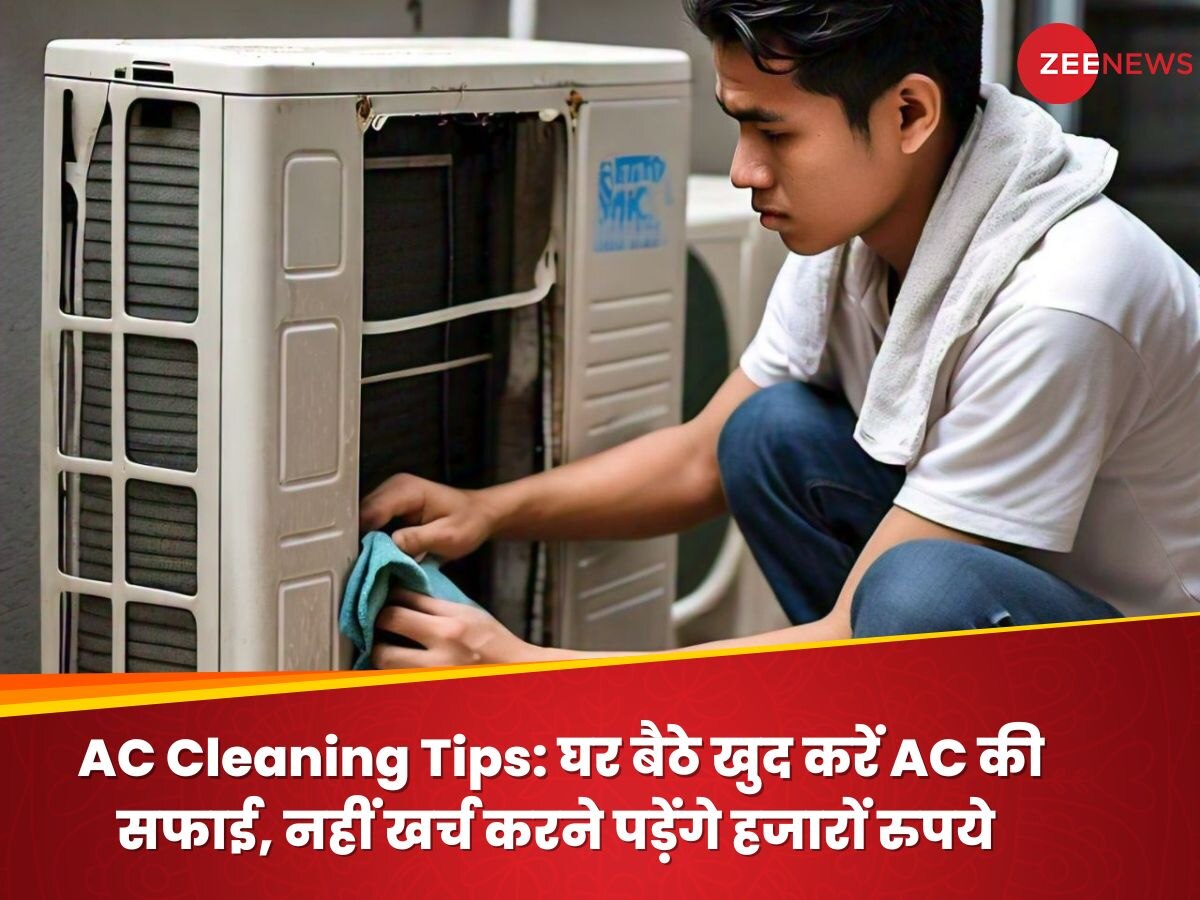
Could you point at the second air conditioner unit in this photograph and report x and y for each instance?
(732, 263)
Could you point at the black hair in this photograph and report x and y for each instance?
(855, 50)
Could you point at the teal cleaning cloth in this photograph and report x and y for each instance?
(379, 564)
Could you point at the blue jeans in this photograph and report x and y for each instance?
(807, 498)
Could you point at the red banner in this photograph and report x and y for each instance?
(1042, 762)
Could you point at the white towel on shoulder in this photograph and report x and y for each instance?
(1015, 176)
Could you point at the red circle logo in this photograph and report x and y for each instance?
(1058, 63)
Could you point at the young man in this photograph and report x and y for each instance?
(974, 399)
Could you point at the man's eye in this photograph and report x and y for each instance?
(773, 137)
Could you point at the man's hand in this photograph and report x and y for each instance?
(445, 521)
(453, 634)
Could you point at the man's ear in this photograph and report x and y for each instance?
(918, 103)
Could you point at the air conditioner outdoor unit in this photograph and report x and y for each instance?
(276, 273)
(732, 263)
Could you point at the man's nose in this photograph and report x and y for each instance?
(747, 170)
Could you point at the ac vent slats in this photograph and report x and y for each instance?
(99, 252)
(148, 214)
(158, 348)
(156, 421)
(165, 276)
(95, 536)
(162, 211)
(94, 501)
(99, 554)
(97, 293)
(98, 443)
(93, 662)
(183, 176)
(183, 134)
(96, 449)
(164, 156)
(179, 443)
(156, 311)
(170, 560)
(154, 559)
(93, 634)
(100, 291)
(97, 270)
(171, 216)
(95, 413)
(157, 255)
(165, 529)
(139, 665)
(97, 249)
(153, 614)
(160, 404)
(151, 658)
(94, 571)
(94, 620)
(99, 190)
(94, 402)
(158, 638)
(88, 519)
(156, 510)
(167, 194)
(143, 234)
(94, 643)
(147, 655)
(96, 377)
(159, 429)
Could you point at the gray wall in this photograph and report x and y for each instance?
(25, 28)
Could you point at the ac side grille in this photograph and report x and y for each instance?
(160, 398)
(705, 362)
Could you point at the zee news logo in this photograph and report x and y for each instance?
(1059, 63)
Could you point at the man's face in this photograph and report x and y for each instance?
(814, 180)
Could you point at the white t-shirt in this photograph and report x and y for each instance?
(1069, 425)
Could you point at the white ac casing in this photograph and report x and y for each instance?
(279, 324)
(742, 258)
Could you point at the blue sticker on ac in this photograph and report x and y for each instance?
(632, 194)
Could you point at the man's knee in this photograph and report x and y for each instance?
(925, 586)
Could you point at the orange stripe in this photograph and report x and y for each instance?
(107, 691)
(16, 689)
